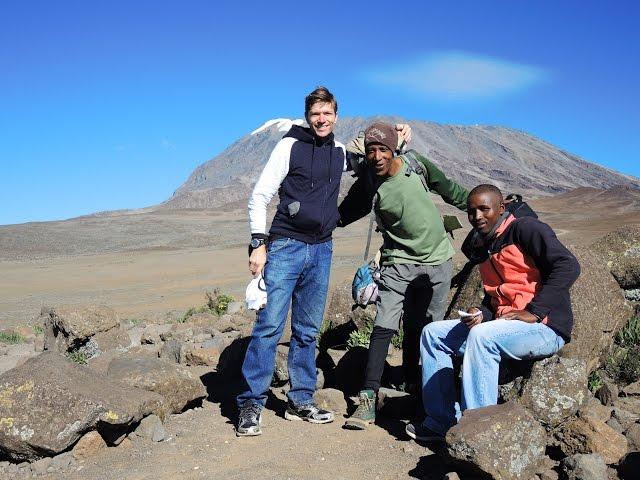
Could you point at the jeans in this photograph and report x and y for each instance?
(482, 347)
(296, 274)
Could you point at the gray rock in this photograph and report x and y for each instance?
(594, 408)
(395, 404)
(632, 390)
(608, 392)
(235, 307)
(319, 379)
(62, 461)
(331, 399)
(170, 350)
(585, 467)
(281, 371)
(615, 424)
(626, 411)
(50, 402)
(589, 435)
(152, 333)
(621, 249)
(68, 328)
(633, 437)
(503, 441)
(176, 384)
(151, 428)
(556, 389)
(40, 467)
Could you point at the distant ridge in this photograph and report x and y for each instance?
(513, 160)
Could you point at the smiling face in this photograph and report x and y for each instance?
(322, 117)
(380, 159)
(484, 210)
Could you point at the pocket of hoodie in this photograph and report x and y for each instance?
(304, 218)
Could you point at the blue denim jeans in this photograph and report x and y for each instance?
(296, 274)
(482, 348)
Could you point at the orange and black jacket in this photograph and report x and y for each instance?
(525, 267)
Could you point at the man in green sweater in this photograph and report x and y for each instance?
(415, 261)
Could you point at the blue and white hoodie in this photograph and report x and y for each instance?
(303, 169)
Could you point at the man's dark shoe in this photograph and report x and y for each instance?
(308, 413)
(249, 420)
(421, 433)
(365, 414)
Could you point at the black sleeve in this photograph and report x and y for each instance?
(557, 265)
(356, 204)
(486, 308)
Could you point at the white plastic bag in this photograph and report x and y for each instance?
(256, 294)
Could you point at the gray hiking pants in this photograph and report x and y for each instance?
(417, 294)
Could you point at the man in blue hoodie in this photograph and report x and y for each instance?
(305, 168)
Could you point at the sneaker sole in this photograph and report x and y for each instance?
(248, 433)
(358, 424)
(295, 418)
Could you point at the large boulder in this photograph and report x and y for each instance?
(586, 434)
(49, 402)
(584, 467)
(621, 249)
(179, 387)
(599, 309)
(556, 389)
(501, 441)
(89, 328)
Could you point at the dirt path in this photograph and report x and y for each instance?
(201, 444)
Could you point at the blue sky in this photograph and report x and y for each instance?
(109, 105)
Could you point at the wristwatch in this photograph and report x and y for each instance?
(256, 242)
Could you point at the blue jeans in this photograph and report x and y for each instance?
(482, 347)
(296, 274)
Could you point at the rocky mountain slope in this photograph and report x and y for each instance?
(514, 160)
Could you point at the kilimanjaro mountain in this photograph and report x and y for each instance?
(513, 160)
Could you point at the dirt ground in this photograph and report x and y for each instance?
(147, 264)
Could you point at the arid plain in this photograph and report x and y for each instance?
(147, 263)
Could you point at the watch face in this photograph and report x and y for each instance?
(256, 242)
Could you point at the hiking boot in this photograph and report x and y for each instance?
(249, 420)
(308, 413)
(420, 433)
(365, 414)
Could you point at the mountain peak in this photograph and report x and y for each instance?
(282, 124)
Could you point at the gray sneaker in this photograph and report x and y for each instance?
(308, 413)
(249, 420)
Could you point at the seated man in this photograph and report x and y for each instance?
(526, 274)
(416, 266)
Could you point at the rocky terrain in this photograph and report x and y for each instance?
(87, 394)
(513, 160)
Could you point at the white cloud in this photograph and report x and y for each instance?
(457, 76)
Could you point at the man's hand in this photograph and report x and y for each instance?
(257, 259)
(404, 132)
(521, 315)
(474, 319)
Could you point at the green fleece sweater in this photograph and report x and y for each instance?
(410, 222)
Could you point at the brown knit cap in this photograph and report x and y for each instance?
(383, 133)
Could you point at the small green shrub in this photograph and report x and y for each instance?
(623, 363)
(594, 382)
(11, 338)
(629, 335)
(38, 329)
(78, 357)
(397, 339)
(217, 304)
(361, 337)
